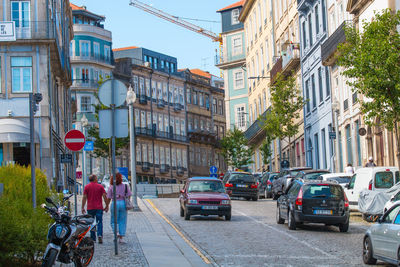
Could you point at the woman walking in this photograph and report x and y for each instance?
(122, 191)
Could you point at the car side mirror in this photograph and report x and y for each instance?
(392, 198)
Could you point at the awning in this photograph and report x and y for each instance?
(15, 131)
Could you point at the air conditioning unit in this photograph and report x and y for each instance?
(147, 64)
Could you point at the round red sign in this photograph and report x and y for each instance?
(74, 140)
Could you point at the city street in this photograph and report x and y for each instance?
(252, 237)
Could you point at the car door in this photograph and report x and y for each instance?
(392, 237)
(350, 190)
(380, 243)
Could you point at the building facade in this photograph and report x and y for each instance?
(91, 60)
(231, 62)
(160, 114)
(316, 84)
(36, 62)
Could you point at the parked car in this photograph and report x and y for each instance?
(242, 184)
(381, 241)
(265, 186)
(204, 196)
(105, 181)
(280, 184)
(392, 201)
(372, 178)
(310, 174)
(257, 175)
(313, 201)
(340, 178)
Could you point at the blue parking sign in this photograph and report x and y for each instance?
(214, 175)
(89, 146)
(213, 169)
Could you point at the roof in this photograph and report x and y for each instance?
(337, 174)
(314, 171)
(201, 73)
(80, 9)
(203, 178)
(75, 7)
(237, 4)
(125, 48)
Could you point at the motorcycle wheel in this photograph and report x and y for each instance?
(49, 258)
(85, 252)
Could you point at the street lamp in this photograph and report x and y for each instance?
(85, 123)
(336, 110)
(130, 100)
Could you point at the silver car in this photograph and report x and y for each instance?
(382, 240)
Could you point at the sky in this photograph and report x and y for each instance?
(131, 26)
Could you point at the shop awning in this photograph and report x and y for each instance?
(15, 131)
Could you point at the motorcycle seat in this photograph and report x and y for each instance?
(85, 219)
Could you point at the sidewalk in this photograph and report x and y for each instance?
(150, 242)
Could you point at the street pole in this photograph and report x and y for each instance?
(32, 147)
(131, 97)
(75, 184)
(113, 166)
(337, 141)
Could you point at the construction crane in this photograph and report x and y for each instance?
(174, 19)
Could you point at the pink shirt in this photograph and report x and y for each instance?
(94, 193)
(120, 191)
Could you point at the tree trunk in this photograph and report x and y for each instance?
(397, 133)
(290, 153)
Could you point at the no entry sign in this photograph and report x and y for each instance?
(74, 140)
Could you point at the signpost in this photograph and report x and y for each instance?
(112, 93)
(66, 158)
(7, 31)
(213, 169)
(332, 135)
(89, 146)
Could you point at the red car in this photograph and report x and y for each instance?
(204, 196)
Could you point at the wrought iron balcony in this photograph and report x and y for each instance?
(256, 132)
(329, 47)
(178, 106)
(92, 58)
(290, 58)
(144, 131)
(180, 171)
(202, 136)
(161, 103)
(145, 166)
(276, 68)
(142, 99)
(164, 168)
(87, 84)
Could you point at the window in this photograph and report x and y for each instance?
(21, 71)
(307, 89)
(136, 84)
(235, 16)
(20, 14)
(239, 81)
(384, 179)
(237, 45)
(188, 96)
(349, 146)
(96, 50)
(264, 100)
(167, 156)
(86, 104)
(321, 91)
(389, 217)
(327, 85)
(156, 154)
(165, 92)
(162, 155)
(155, 63)
(147, 83)
(107, 53)
(324, 161)
(303, 25)
(149, 121)
(195, 98)
(314, 97)
(316, 20)
(220, 107)
(183, 130)
(214, 106)
(323, 15)
(316, 150)
(143, 119)
(138, 153)
(310, 36)
(84, 48)
(267, 54)
(201, 100)
(240, 116)
(144, 152)
(154, 90)
(181, 97)
(141, 86)
(137, 118)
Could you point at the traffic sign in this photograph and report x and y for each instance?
(332, 135)
(74, 140)
(214, 175)
(89, 146)
(112, 91)
(66, 158)
(213, 169)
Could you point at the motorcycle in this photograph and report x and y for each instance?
(67, 236)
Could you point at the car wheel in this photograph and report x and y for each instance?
(265, 194)
(228, 216)
(344, 227)
(187, 215)
(291, 221)
(182, 212)
(279, 219)
(367, 251)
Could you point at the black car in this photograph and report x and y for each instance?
(315, 202)
(265, 186)
(280, 184)
(310, 174)
(241, 184)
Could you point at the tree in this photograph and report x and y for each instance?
(286, 103)
(235, 150)
(265, 149)
(371, 61)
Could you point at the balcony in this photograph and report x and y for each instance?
(276, 68)
(329, 47)
(164, 168)
(202, 136)
(255, 133)
(290, 58)
(180, 171)
(144, 131)
(85, 84)
(145, 166)
(178, 106)
(161, 103)
(229, 60)
(91, 58)
(85, 28)
(142, 99)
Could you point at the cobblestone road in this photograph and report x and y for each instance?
(252, 238)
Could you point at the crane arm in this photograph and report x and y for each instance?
(175, 19)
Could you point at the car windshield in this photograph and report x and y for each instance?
(321, 190)
(313, 175)
(383, 179)
(340, 180)
(242, 178)
(206, 186)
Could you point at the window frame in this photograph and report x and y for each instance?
(21, 69)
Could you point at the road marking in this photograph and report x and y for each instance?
(202, 256)
(288, 235)
(74, 140)
(276, 256)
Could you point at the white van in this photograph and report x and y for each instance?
(372, 178)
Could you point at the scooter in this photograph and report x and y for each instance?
(67, 236)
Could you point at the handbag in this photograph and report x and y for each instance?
(128, 202)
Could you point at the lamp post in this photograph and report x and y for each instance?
(85, 123)
(336, 110)
(130, 100)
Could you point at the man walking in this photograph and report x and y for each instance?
(370, 162)
(93, 193)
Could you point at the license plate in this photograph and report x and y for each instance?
(241, 185)
(323, 212)
(209, 207)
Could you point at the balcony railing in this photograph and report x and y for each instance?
(229, 58)
(164, 168)
(85, 28)
(178, 106)
(256, 132)
(87, 84)
(93, 58)
(145, 166)
(291, 58)
(276, 68)
(329, 47)
(142, 99)
(144, 131)
(161, 103)
(180, 171)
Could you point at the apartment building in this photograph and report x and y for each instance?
(258, 19)
(231, 62)
(91, 60)
(34, 56)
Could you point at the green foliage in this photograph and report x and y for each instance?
(23, 230)
(371, 61)
(265, 149)
(235, 150)
(286, 103)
